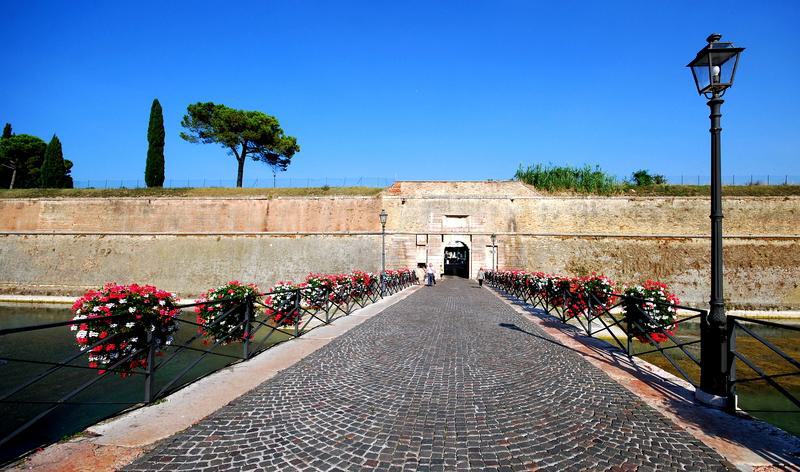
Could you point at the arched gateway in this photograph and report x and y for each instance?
(456, 259)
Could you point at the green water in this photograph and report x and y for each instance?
(56, 344)
(758, 398)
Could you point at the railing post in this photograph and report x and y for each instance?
(731, 402)
(248, 313)
(327, 306)
(149, 376)
(628, 327)
(296, 313)
(588, 315)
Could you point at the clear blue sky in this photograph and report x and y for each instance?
(414, 90)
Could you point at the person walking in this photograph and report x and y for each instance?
(429, 275)
(481, 275)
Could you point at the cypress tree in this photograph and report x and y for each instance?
(7, 130)
(53, 169)
(154, 168)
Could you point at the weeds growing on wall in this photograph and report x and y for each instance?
(584, 179)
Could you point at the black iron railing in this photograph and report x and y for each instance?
(623, 326)
(780, 365)
(263, 333)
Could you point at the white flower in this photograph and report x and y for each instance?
(109, 305)
(123, 300)
(73, 328)
(132, 310)
(81, 334)
(93, 334)
(133, 340)
(97, 308)
(130, 325)
(162, 302)
(112, 325)
(77, 311)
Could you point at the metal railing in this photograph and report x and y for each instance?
(336, 302)
(736, 329)
(640, 325)
(264, 182)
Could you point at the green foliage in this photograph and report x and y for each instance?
(21, 157)
(557, 178)
(53, 168)
(243, 133)
(154, 168)
(643, 178)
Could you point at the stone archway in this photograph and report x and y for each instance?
(456, 259)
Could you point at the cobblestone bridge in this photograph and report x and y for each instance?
(441, 380)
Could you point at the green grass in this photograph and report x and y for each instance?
(587, 188)
(587, 180)
(705, 190)
(560, 178)
(190, 192)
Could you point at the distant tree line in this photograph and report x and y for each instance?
(26, 161)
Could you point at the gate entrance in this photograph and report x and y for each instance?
(456, 259)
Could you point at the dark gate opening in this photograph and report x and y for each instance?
(456, 260)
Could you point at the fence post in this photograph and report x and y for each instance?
(248, 313)
(149, 376)
(328, 305)
(297, 313)
(628, 343)
(589, 316)
(730, 403)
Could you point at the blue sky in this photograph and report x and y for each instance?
(410, 90)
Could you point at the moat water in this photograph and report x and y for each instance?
(110, 395)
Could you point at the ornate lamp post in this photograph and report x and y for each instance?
(383, 216)
(713, 70)
(494, 252)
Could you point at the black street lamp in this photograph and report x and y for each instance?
(383, 217)
(713, 70)
(494, 251)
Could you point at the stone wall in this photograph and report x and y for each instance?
(188, 245)
(186, 264)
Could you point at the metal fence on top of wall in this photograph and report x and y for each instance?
(283, 182)
(382, 182)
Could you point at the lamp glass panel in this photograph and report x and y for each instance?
(702, 75)
(726, 71)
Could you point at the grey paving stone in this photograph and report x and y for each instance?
(438, 381)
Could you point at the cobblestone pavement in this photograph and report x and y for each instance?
(438, 381)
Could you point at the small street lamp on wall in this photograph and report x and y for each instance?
(714, 69)
(494, 251)
(383, 216)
